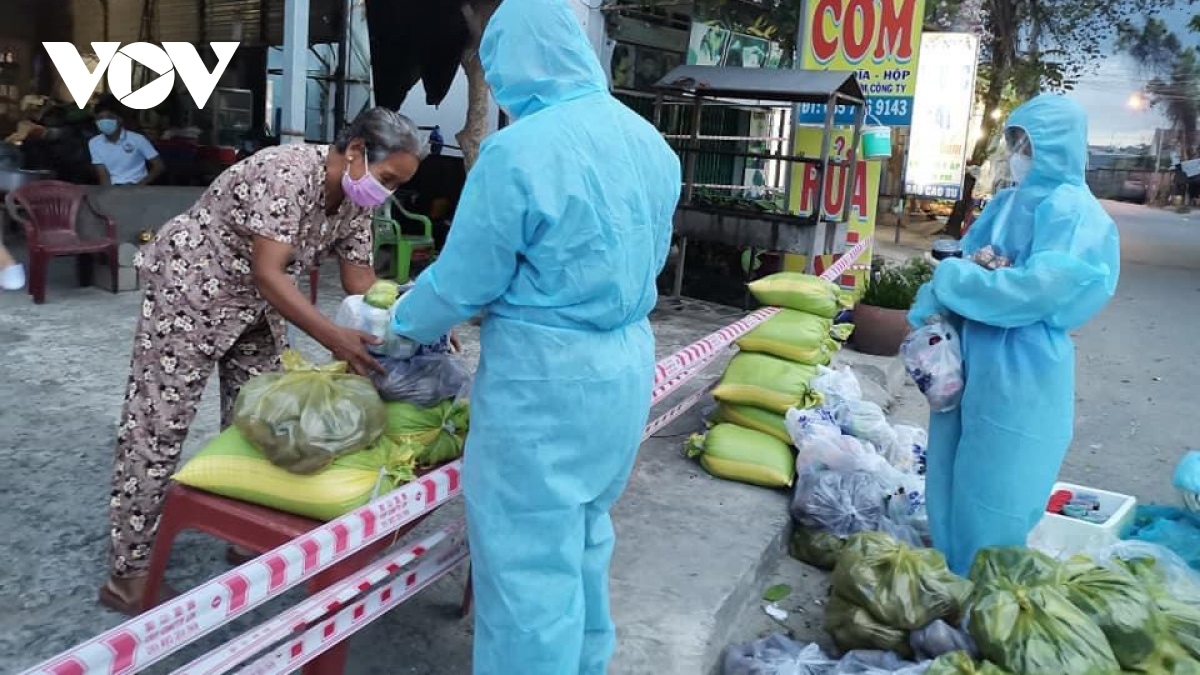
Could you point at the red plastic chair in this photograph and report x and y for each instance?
(48, 211)
(259, 529)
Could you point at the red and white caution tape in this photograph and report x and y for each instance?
(320, 638)
(308, 612)
(147, 639)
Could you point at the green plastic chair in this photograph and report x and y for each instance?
(389, 234)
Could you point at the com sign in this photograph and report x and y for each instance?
(879, 40)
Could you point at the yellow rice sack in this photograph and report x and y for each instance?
(801, 292)
(767, 382)
(753, 418)
(231, 467)
(744, 455)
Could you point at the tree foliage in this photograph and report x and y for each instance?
(1174, 74)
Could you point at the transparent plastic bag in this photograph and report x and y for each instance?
(863, 662)
(307, 416)
(841, 503)
(901, 586)
(933, 358)
(820, 442)
(424, 380)
(837, 384)
(776, 654)
(939, 638)
(866, 421)
(356, 314)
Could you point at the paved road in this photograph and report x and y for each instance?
(1137, 367)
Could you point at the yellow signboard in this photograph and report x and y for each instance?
(878, 39)
(864, 196)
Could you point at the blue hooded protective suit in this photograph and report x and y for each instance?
(562, 229)
(993, 462)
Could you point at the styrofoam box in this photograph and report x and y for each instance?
(1062, 536)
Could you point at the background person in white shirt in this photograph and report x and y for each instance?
(121, 156)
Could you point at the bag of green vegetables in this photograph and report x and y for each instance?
(307, 416)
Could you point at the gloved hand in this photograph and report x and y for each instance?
(925, 308)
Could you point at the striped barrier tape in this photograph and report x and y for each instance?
(147, 639)
(320, 638)
(151, 637)
(316, 607)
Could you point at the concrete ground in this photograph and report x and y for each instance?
(694, 553)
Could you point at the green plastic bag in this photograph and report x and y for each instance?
(1178, 603)
(307, 416)
(768, 383)
(1121, 606)
(744, 455)
(1037, 631)
(853, 627)
(902, 587)
(961, 663)
(801, 292)
(815, 547)
(757, 419)
(440, 432)
(1016, 565)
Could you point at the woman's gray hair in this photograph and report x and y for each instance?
(383, 133)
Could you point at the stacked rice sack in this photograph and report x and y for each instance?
(319, 442)
(749, 441)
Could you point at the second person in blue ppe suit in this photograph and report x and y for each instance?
(993, 462)
(562, 229)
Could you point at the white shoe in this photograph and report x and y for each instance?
(12, 278)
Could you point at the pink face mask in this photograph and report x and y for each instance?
(366, 191)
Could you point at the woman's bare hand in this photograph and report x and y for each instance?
(455, 345)
(350, 346)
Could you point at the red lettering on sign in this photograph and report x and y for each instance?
(858, 30)
(824, 47)
(858, 24)
(896, 30)
(835, 191)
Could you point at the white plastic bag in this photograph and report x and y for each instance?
(356, 314)
(933, 358)
(866, 421)
(776, 654)
(910, 450)
(837, 384)
(820, 442)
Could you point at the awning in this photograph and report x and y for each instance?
(762, 84)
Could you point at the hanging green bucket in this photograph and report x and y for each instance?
(877, 142)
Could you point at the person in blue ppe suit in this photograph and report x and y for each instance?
(561, 232)
(992, 463)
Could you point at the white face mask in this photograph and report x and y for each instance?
(1019, 166)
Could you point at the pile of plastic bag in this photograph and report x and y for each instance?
(1132, 608)
(856, 472)
(888, 596)
(778, 654)
(773, 374)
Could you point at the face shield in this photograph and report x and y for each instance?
(1019, 153)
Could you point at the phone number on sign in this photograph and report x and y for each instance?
(891, 111)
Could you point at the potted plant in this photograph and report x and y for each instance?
(881, 316)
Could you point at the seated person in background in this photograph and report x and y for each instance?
(121, 156)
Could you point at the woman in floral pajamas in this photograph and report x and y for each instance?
(220, 281)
